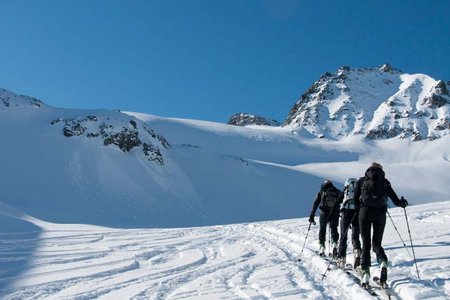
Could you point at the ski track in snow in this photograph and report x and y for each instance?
(241, 261)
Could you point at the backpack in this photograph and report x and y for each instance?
(330, 195)
(349, 194)
(373, 188)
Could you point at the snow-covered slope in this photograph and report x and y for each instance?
(241, 261)
(378, 103)
(88, 166)
(129, 170)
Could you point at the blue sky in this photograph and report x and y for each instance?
(209, 59)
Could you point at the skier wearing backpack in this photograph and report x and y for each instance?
(349, 218)
(371, 196)
(329, 213)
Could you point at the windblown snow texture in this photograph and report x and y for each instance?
(240, 261)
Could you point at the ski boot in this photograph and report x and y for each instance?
(365, 276)
(357, 255)
(383, 273)
(335, 250)
(322, 250)
(341, 262)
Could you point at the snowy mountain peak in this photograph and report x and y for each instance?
(388, 68)
(378, 103)
(110, 128)
(244, 119)
(9, 100)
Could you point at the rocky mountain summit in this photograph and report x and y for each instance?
(244, 119)
(379, 103)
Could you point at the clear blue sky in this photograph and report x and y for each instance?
(209, 59)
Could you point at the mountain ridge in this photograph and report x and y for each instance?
(123, 169)
(378, 103)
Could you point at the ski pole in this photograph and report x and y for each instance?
(406, 247)
(306, 237)
(329, 238)
(412, 246)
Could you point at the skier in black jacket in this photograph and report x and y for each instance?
(371, 195)
(329, 213)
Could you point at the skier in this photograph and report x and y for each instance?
(371, 195)
(329, 213)
(349, 218)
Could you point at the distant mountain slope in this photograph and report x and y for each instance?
(110, 168)
(377, 103)
(88, 166)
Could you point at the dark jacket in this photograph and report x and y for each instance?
(389, 191)
(318, 200)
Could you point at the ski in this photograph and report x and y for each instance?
(348, 269)
(384, 287)
(368, 288)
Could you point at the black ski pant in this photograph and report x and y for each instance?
(333, 219)
(349, 217)
(372, 217)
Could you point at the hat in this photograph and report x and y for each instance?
(376, 165)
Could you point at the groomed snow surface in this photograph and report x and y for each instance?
(243, 261)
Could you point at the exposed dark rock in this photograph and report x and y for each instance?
(92, 118)
(244, 119)
(441, 88)
(436, 101)
(153, 153)
(190, 146)
(104, 128)
(326, 75)
(422, 113)
(386, 68)
(383, 131)
(240, 159)
(73, 129)
(126, 139)
(443, 124)
(159, 137)
(344, 69)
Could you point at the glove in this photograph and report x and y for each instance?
(311, 219)
(403, 203)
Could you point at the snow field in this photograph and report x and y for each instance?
(240, 261)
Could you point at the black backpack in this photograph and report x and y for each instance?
(330, 195)
(373, 188)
